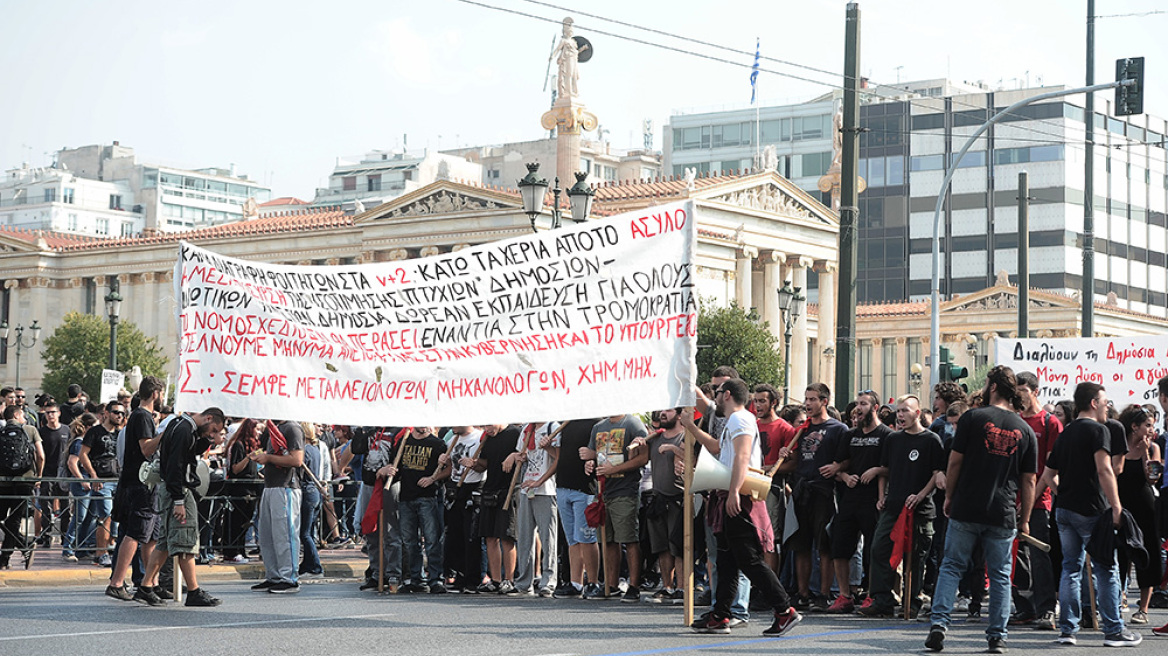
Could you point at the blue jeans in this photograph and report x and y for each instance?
(86, 505)
(309, 511)
(571, 504)
(997, 544)
(1074, 533)
(424, 514)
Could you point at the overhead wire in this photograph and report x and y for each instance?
(865, 91)
(917, 102)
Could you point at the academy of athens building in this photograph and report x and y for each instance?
(755, 230)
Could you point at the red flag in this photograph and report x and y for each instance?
(276, 442)
(373, 510)
(902, 536)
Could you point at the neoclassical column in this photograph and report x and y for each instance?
(877, 366)
(827, 321)
(901, 368)
(743, 272)
(799, 342)
(772, 280)
(926, 373)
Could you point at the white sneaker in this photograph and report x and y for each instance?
(1124, 639)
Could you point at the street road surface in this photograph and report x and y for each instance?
(335, 618)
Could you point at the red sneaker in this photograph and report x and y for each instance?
(784, 622)
(841, 605)
(712, 625)
(1160, 630)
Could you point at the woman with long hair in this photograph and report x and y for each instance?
(1135, 493)
(310, 500)
(243, 488)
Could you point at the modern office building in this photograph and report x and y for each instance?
(168, 199)
(382, 175)
(912, 130)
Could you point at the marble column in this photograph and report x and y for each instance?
(827, 321)
(903, 382)
(772, 279)
(877, 375)
(799, 338)
(743, 274)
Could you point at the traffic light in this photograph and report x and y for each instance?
(950, 372)
(1129, 99)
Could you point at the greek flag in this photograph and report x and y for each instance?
(754, 74)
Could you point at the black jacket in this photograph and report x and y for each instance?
(178, 449)
(1105, 538)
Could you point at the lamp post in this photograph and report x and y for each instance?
(19, 342)
(971, 349)
(113, 306)
(916, 374)
(534, 189)
(791, 302)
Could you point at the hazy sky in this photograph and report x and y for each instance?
(281, 89)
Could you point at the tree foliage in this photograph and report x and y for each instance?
(78, 350)
(730, 336)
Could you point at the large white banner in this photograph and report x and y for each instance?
(595, 319)
(1128, 367)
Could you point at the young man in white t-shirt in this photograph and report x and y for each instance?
(736, 519)
(535, 508)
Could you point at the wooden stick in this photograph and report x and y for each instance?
(518, 467)
(1034, 542)
(178, 581)
(397, 458)
(604, 550)
(1091, 593)
(381, 546)
(687, 520)
(790, 447)
(466, 470)
(906, 600)
(323, 489)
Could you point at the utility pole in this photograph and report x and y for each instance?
(845, 340)
(1088, 290)
(1023, 255)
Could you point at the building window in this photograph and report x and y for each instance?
(373, 183)
(864, 365)
(127, 229)
(89, 298)
(50, 195)
(890, 386)
(349, 183)
(67, 195)
(493, 174)
(103, 226)
(73, 223)
(115, 202)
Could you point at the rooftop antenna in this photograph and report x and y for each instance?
(898, 68)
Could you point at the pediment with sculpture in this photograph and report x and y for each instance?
(772, 197)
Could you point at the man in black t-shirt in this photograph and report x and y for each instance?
(420, 508)
(813, 461)
(1080, 469)
(134, 501)
(497, 525)
(858, 456)
(992, 463)
(74, 407)
(910, 462)
(575, 488)
(54, 439)
(99, 459)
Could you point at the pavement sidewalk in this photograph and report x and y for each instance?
(49, 569)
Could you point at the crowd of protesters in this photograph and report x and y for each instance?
(886, 509)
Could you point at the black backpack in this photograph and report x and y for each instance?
(16, 455)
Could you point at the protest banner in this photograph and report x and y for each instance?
(594, 319)
(1128, 367)
(111, 383)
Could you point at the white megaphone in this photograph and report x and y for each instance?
(710, 474)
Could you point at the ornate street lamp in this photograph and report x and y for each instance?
(113, 307)
(533, 189)
(791, 302)
(19, 342)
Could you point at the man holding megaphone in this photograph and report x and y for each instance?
(739, 522)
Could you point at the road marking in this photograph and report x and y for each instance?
(737, 643)
(218, 625)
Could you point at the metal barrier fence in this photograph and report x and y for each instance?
(34, 511)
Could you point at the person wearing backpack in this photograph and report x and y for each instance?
(21, 457)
